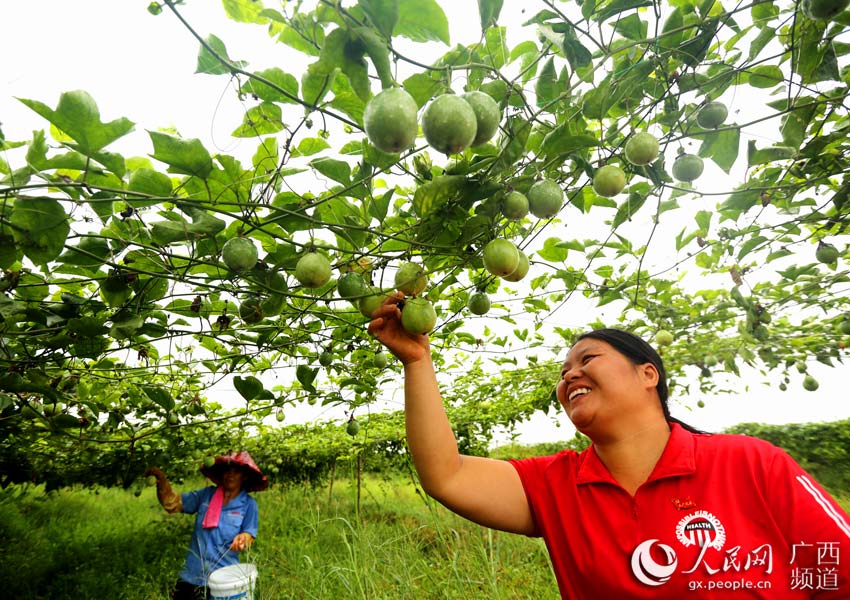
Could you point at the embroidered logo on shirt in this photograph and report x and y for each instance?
(701, 529)
(685, 503)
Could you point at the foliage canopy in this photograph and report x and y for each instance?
(118, 309)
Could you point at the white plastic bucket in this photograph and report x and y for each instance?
(235, 582)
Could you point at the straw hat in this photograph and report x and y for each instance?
(255, 481)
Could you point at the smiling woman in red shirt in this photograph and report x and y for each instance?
(653, 508)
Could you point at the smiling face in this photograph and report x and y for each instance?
(605, 393)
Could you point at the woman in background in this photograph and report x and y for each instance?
(226, 522)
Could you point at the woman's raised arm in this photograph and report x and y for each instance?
(484, 490)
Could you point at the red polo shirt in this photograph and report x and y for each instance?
(721, 516)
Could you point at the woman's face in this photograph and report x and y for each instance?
(600, 387)
(233, 478)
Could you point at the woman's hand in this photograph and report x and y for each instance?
(167, 497)
(386, 328)
(241, 542)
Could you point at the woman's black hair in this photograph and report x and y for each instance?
(639, 352)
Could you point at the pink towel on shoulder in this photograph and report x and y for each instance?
(214, 510)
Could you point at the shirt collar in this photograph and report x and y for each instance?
(677, 459)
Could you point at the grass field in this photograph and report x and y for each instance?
(110, 544)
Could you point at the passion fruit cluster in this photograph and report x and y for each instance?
(451, 123)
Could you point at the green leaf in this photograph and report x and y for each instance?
(827, 68)
(422, 21)
(312, 145)
(739, 202)
(703, 219)
(488, 12)
(750, 245)
(150, 182)
(693, 51)
(177, 229)
(615, 7)
(249, 387)
(40, 227)
(263, 119)
(215, 61)
(631, 27)
(495, 49)
(765, 36)
(306, 376)
(382, 13)
(422, 87)
(722, 147)
(630, 206)
(577, 55)
(379, 54)
(808, 52)
(553, 250)
(768, 155)
(188, 157)
(547, 89)
(338, 170)
(266, 157)
(796, 121)
(765, 76)
(346, 99)
(89, 253)
(430, 196)
(276, 86)
(561, 141)
(245, 11)
(78, 117)
(159, 396)
(316, 82)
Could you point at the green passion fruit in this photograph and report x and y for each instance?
(251, 310)
(487, 116)
(608, 181)
(411, 278)
(449, 124)
(313, 270)
(368, 304)
(239, 254)
(521, 270)
(663, 338)
(826, 253)
(380, 360)
(687, 167)
(351, 285)
(810, 384)
(515, 206)
(478, 303)
(418, 316)
(642, 149)
(390, 120)
(545, 198)
(501, 257)
(712, 115)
